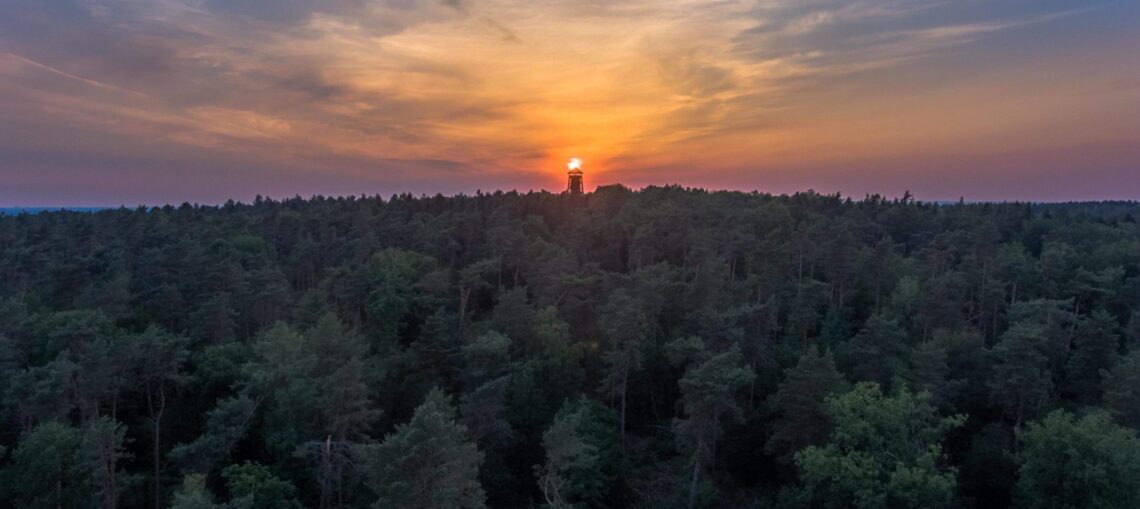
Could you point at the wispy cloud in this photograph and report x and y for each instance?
(419, 87)
(68, 75)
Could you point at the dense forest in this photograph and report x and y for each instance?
(662, 348)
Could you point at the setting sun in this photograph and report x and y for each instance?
(207, 101)
(351, 250)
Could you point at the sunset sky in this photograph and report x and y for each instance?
(109, 102)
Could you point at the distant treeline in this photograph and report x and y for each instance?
(1125, 210)
(660, 348)
(13, 211)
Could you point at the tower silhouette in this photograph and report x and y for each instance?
(574, 185)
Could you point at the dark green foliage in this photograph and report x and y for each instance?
(1021, 381)
(1122, 390)
(253, 486)
(877, 352)
(885, 451)
(624, 342)
(48, 469)
(987, 472)
(801, 416)
(1095, 349)
(482, 410)
(583, 462)
(428, 463)
(709, 401)
(930, 372)
(193, 494)
(1132, 331)
(103, 447)
(1070, 462)
(567, 453)
(250, 486)
(392, 302)
(486, 357)
(225, 425)
(625, 325)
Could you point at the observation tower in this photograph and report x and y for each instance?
(574, 176)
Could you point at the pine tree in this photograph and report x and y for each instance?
(1021, 379)
(708, 397)
(428, 463)
(226, 424)
(103, 446)
(583, 453)
(1095, 347)
(1122, 390)
(485, 357)
(280, 376)
(929, 372)
(343, 405)
(157, 369)
(1132, 330)
(799, 404)
(567, 452)
(47, 469)
(624, 322)
(877, 351)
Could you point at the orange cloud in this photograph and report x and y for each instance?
(505, 91)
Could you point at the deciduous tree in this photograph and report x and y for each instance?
(1066, 461)
(885, 451)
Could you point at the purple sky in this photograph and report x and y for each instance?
(127, 102)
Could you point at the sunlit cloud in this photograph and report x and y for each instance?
(456, 95)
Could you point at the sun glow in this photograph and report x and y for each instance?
(574, 164)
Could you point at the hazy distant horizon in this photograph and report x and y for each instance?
(15, 209)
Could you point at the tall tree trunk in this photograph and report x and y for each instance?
(994, 326)
(464, 293)
(878, 293)
(696, 477)
(326, 473)
(156, 411)
(110, 483)
(624, 384)
(752, 386)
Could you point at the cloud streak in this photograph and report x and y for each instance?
(453, 94)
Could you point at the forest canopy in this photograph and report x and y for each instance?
(661, 348)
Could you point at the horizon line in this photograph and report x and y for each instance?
(4, 208)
